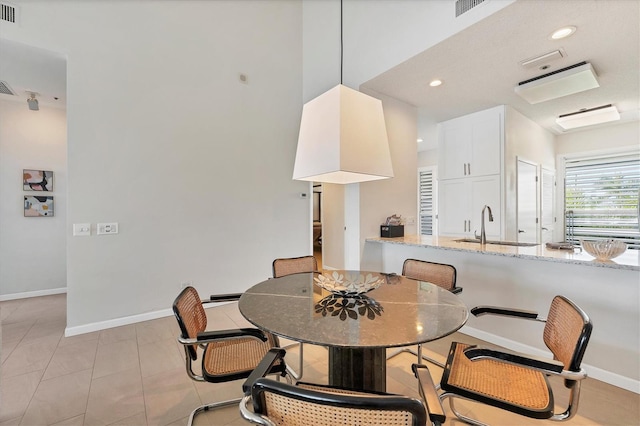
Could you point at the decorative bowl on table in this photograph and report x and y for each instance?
(604, 249)
(348, 283)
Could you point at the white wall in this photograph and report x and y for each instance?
(607, 137)
(383, 198)
(164, 139)
(524, 140)
(428, 158)
(32, 249)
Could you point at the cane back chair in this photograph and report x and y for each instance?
(288, 266)
(516, 382)
(294, 265)
(440, 274)
(226, 354)
(276, 403)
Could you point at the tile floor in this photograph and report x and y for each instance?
(134, 375)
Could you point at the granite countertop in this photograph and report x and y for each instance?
(629, 260)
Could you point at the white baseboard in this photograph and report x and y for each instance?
(117, 322)
(37, 293)
(594, 372)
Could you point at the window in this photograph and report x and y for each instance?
(427, 200)
(601, 198)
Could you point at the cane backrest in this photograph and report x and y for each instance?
(191, 316)
(567, 332)
(294, 265)
(436, 273)
(324, 406)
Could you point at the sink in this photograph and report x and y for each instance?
(500, 243)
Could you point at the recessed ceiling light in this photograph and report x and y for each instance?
(435, 83)
(563, 32)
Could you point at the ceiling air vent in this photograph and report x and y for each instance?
(463, 6)
(5, 89)
(566, 81)
(8, 13)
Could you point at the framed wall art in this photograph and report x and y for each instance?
(38, 206)
(37, 180)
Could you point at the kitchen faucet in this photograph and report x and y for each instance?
(483, 235)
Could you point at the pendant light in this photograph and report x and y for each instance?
(343, 137)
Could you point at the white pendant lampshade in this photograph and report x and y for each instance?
(343, 139)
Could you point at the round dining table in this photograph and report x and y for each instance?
(356, 328)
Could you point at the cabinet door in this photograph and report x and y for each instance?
(471, 145)
(453, 208)
(485, 146)
(454, 150)
(485, 191)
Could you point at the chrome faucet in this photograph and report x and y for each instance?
(483, 235)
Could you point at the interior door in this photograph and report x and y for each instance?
(547, 207)
(527, 202)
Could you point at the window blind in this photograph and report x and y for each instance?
(426, 201)
(602, 199)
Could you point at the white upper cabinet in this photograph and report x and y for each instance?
(471, 146)
(470, 160)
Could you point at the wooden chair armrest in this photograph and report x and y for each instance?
(428, 393)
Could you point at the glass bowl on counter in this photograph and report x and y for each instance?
(604, 249)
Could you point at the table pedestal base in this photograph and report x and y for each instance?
(358, 368)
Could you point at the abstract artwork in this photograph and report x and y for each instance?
(37, 180)
(36, 206)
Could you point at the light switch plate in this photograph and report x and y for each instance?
(107, 228)
(81, 229)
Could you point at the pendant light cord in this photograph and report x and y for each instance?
(341, 43)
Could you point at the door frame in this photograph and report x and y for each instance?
(520, 159)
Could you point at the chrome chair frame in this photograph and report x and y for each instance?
(204, 338)
(572, 374)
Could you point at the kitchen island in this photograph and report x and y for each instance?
(528, 278)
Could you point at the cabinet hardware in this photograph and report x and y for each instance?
(469, 168)
(521, 231)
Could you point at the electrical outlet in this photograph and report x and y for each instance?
(107, 228)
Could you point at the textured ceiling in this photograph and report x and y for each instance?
(480, 66)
